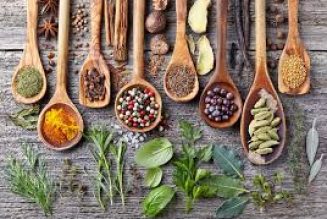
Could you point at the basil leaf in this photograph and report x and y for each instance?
(228, 161)
(157, 200)
(154, 153)
(315, 169)
(312, 142)
(232, 207)
(227, 187)
(153, 177)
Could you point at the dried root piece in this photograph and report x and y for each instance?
(159, 45)
(159, 5)
(206, 58)
(198, 16)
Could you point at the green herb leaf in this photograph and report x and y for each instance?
(315, 169)
(204, 191)
(232, 207)
(153, 177)
(157, 200)
(205, 154)
(201, 174)
(228, 161)
(26, 118)
(227, 187)
(312, 142)
(189, 132)
(154, 153)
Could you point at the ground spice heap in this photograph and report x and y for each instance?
(180, 80)
(60, 126)
(29, 82)
(293, 71)
(138, 107)
(94, 85)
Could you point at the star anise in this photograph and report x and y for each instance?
(49, 28)
(49, 6)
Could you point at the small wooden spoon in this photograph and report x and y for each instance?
(294, 46)
(31, 56)
(138, 74)
(261, 81)
(95, 59)
(221, 76)
(181, 55)
(60, 99)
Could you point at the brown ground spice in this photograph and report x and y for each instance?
(293, 71)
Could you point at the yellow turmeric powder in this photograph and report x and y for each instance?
(60, 126)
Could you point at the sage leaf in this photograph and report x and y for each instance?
(315, 169)
(312, 142)
(232, 207)
(227, 187)
(228, 161)
(157, 200)
(26, 118)
(153, 177)
(154, 153)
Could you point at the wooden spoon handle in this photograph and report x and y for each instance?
(63, 45)
(138, 40)
(96, 14)
(260, 32)
(293, 16)
(181, 10)
(32, 16)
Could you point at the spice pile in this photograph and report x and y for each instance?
(263, 129)
(293, 71)
(220, 104)
(137, 107)
(80, 20)
(94, 85)
(180, 80)
(60, 126)
(29, 82)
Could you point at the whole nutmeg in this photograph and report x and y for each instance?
(159, 45)
(159, 5)
(156, 22)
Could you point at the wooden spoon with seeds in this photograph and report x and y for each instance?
(261, 81)
(294, 46)
(60, 98)
(221, 76)
(31, 56)
(181, 56)
(95, 61)
(138, 74)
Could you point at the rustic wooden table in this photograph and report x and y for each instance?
(313, 23)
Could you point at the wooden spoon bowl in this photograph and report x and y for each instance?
(95, 59)
(138, 74)
(181, 55)
(261, 81)
(294, 46)
(60, 98)
(31, 56)
(221, 76)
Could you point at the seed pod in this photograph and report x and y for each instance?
(264, 151)
(261, 130)
(251, 127)
(256, 111)
(264, 137)
(254, 145)
(261, 103)
(270, 118)
(259, 124)
(276, 122)
(273, 134)
(268, 144)
(262, 115)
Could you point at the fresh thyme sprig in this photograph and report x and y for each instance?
(30, 179)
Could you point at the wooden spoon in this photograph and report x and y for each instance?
(261, 81)
(294, 46)
(60, 99)
(221, 76)
(138, 74)
(31, 56)
(95, 59)
(181, 55)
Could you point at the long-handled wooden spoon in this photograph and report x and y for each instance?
(181, 55)
(294, 46)
(261, 81)
(138, 74)
(221, 76)
(95, 60)
(31, 56)
(60, 99)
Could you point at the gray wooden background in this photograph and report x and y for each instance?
(313, 23)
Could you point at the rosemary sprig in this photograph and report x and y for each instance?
(30, 179)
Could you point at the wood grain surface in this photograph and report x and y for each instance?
(313, 29)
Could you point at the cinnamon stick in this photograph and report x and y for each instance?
(121, 26)
(109, 10)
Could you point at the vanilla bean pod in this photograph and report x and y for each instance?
(121, 25)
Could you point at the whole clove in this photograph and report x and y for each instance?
(94, 85)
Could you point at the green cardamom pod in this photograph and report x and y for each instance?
(262, 115)
(264, 137)
(273, 134)
(261, 103)
(254, 138)
(256, 111)
(251, 127)
(276, 122)
(262, 130)
(264, 151)
(254, 145)
(268, 144)
(258, 124)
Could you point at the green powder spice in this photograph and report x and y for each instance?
(29, 82)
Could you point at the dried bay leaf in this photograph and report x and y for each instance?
(205, 61)
(26, 118)
(315, 169)
(312, 142)
(232, 207)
